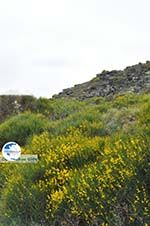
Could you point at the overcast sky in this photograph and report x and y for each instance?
(49, 45)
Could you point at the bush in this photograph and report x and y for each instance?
(93, 167)
(21, 127)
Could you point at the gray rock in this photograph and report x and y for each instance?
(108, 83)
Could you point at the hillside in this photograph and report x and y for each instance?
(94, 155)
(108, 83)
(14, 104)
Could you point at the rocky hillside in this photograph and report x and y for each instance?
(132, 79)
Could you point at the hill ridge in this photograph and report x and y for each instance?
(134, 78)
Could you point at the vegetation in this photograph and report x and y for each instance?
(93, 168)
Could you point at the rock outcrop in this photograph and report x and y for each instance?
(108, 83)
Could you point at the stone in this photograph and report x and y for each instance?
(135, 78)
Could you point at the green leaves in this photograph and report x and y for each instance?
(93, 164)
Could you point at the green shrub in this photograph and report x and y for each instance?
(19, 128)
(63, 108)
(93, 167)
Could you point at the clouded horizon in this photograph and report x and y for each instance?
(46, 46)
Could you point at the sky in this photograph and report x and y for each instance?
(50, 45)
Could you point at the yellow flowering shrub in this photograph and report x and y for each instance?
(90, 171)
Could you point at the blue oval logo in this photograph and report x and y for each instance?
(11, 151)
